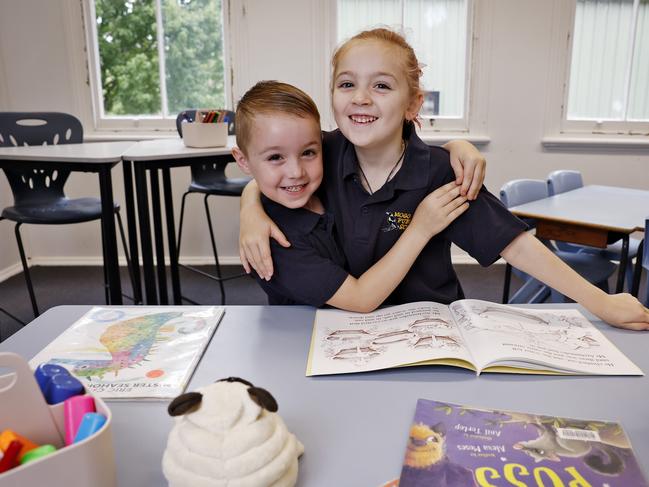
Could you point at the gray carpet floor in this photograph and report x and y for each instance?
(83, 285)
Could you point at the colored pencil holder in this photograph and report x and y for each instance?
(205, 134)
(24, 410)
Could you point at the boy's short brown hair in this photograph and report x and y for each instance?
(271, 97)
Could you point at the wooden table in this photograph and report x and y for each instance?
(591, 215)
(154, 156)
(97, 157)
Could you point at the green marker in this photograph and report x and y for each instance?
(37, 453)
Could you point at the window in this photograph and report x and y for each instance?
(609, 67)
(151, 59)
(439, 31)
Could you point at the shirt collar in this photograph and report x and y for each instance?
(296, 219)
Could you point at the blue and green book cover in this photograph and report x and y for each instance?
(457, 446)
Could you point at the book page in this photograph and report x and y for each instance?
(134, 352)
(561, 340)
(344, 341)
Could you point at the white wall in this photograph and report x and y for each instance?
(40, 54)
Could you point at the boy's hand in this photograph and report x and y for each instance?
(469, 166)
(437, 210)
(624, 311)
(255, 232)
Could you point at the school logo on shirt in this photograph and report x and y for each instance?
(397, 220)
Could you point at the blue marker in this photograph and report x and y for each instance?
(62, 386)
(45, 372)
(90, 424)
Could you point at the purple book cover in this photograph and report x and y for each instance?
(457, 446)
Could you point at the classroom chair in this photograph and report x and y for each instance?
(642, 262)
(593, 268)
(39, 198)
(564, 180)
(209, 179)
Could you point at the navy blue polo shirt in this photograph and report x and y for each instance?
(368, 225)
(311, 270)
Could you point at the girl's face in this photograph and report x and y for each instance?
(371, 97)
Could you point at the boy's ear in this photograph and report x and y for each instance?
(414, 107)
(242, 160)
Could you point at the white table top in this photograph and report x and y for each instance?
(608, 207)
(354, 427)
(161, 149)
(87, 152)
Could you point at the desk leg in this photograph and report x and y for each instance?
(131, 224)
(145, 234)
(157, 233)
(624, 257)
(171, 236)
(109, 237)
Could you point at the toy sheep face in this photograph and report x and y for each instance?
(221, 405)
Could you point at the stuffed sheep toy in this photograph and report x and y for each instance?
(228, 434)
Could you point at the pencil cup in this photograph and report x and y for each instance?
(23, 409)
(205, 134)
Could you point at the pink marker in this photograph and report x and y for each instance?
(74, 409)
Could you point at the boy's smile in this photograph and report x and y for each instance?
(284, 156)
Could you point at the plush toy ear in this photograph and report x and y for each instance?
(184, 403)
(236, 379)
(263, 398)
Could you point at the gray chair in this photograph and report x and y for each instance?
(37, 190)
(209, 179)
(564, 180)
(591, 267)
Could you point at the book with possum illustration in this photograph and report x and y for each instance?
(458, 446)
(477, 335)
(134, 352)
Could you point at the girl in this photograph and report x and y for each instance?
(377, 170)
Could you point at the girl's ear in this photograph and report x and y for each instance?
(242, 160)
(415, 105)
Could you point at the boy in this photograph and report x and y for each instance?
(279, 143)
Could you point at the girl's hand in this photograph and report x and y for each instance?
(437, 210)
(255, 232)
(623, 311)
(469, 166)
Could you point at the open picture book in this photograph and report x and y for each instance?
(134, 352)
(477, 335)
(458, 446)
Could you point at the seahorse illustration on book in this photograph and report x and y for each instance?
(129, 343)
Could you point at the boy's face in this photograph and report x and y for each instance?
(284, 155)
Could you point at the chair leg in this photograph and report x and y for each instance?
(180, 224)
(129, 264)
(104, 268)
(508, 280)
(216, 257)
(28, 279)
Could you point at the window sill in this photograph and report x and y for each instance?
(440, 138)
(595, 142)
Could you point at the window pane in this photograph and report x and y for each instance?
(128, 56)
(436, 29)
(600, 56)
(639, 96)
(193, 54)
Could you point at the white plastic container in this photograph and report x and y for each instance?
(205, 134)
(23, 409)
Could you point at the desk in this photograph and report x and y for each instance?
(151, 156)
(354, 427)
(591, 215)
(86, 157)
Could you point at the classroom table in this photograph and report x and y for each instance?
(591, 215)
(99, 157)
(354, 427)
(153, 156)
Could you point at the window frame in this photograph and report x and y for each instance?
(562, 132)
(142, 123)
(473, 121)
